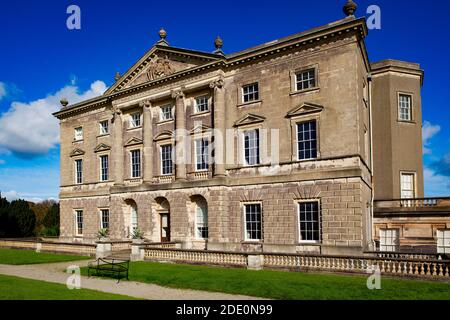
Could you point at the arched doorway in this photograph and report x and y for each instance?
(130, 218)
(163, 217)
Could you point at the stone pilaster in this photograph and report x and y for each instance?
(180, 128)
(117, 152)
(219, 127)
(147, 135)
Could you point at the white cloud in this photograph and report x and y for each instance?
(10, 195)
(428, 132)
(436, 185)
(2, 90)
(31, 129)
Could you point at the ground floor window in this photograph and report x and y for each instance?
(253, 221)
(389, 240)
(202, 222)
(105, 219)
(79, 222)
(309, 218)
(443, 241)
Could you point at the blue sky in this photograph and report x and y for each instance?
(41, 60)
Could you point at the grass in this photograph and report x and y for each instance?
(284, 285)
(13, 288)
(17, 257)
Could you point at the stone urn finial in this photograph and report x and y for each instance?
(64, 102)
(350, 8)
(162, 34)
(117, 76)
(218, 43)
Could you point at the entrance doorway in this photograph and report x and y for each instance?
(165, 227)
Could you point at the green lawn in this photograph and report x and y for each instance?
(284, 285)
(16, 257)
(13, 288)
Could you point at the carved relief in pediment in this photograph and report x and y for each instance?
(159, 67)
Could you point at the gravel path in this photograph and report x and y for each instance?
(54, 272)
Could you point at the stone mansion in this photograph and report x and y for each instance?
(281, 147)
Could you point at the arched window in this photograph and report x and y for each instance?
(134, 219)
(201, 220)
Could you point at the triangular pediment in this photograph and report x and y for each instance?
(133, 141)
(200, 129)
(102, 147)
(165, 135)
(249, 119)
(160, 62)
(77, 152)
(305, 108)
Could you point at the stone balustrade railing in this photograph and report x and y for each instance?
(405, 255)
(120, 245)
(50, 246)
(164, 245)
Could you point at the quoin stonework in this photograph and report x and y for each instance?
(278, 148)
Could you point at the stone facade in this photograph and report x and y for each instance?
(339, 179)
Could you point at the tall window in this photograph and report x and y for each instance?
(134, 219)
(201, 154)
(307, 140)
(305, 80)
(251, 147)
(407, 185)
(166, 113)
(253, 221)
(78, 134)
(404, 107)
(443, 241)
(104, 167)
(250, 93)
(135, 163)
(104, 127)
(79, 171)
(309, 221)
(135, 120)
(105, 219)
(201, 104)
(202, 221)
(389, 240)
(166, 160)
(79, 222)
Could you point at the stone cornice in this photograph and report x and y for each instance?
(339, 28)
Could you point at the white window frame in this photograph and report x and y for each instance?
(297, 124)
(78, 134)
(134, 219)
(131, 164)
(77, 233)
(443, 241)
(414, 184)
(206, 99)
(104, 130)
(78, 174)
(244, 160)
(161, 158)
(253, 93)
(102, 226)
(390, 246)
(162, 114)
(196, 141)
(410, 107)
(244, 212)
(319, 213)
(205, 223)
(101, 167)
(302, 72)
(135, 120)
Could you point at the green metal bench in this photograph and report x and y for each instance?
(109, 266)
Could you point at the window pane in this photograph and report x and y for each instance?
(405, 107)
(250, 93)
(253, 221)
(202, 221)
(201, 104)
(309, 221)
(135, 163)
(166, 160)
(105, 219)
(307, 140)
(305, 80)
(202, 154)
(79, 171)
(407, 186)
(104, 164)
(251, 147)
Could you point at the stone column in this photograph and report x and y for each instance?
(219, 128)
(147, 135)
(117, 152)
(180, 128)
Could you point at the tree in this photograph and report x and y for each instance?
(51, 221)
(22, 219)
